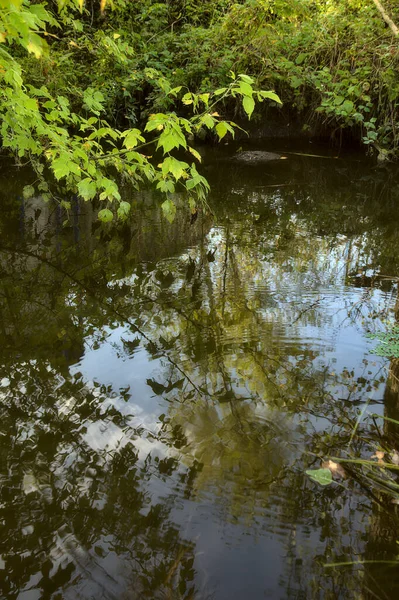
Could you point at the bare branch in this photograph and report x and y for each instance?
(387, 18)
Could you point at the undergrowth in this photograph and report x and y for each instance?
(333, 62)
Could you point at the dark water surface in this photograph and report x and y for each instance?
(165, 387)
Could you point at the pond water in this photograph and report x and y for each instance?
(164, 388)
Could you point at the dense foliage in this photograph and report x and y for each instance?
(54, 113)
(94, 88)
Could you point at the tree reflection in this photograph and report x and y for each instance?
(239, 320)
(78, 513)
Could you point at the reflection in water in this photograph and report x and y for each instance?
(164, 388)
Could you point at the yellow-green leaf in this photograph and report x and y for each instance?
(123, 210)
(35, 48)
(169, 210)
(105, 215)
(321, 476)
(249, 105)
(196, 154)
(28, 192)
(87, 188)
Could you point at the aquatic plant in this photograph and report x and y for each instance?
(388, 342)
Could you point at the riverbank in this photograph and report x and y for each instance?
(89, 93)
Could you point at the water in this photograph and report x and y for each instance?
(165, 387)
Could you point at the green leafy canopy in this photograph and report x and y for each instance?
(82, 149)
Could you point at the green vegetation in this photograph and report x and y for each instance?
(99, 91)
(388, 342)
(52, 114)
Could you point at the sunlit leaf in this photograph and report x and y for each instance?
(208, 121)
(246, 78)
(87, 188)
(195, 153)
(166, 185)
(187, 99)
(35, 45)
(249, 105)
(174, 166)
(132, 137)
(270, 96)
(221, 130)
(246, 89)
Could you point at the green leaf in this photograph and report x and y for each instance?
(208, 121)
(170, 139)
(156, 121)
(36, 45)
(196, 154)
(338, 100)
(87, 188)
(166, 185)
(300, 58)
(132, 136)
(204, 98)
(105, 215)
(63, 166)
(187, 99)
(110, 189)
(93, 100)
(103, 132)
(174, 166)
(245, 89)
(321, 476)
(42, 186)
(28, 192)
(246, 78)
(270, 96)
(175, 90)
(347, 106)
(249, 105)
(221, 129)
(123, 210)
(169, 210)
(296, 82)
